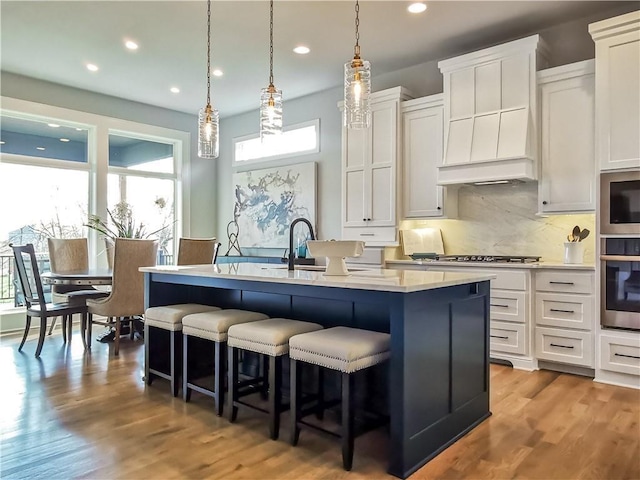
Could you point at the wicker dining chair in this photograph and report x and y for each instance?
(37, 306)
(126, 300)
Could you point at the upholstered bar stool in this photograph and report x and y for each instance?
(167, 318)
(346, 350)
(271, 339)
(210, 327)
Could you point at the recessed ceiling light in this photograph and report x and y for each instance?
(217, 72)
(78, 129)
(302, 50)
(39, 148)
(91, 67)
(417, 7)
(175, 90)
(53, 125)
(131, 45)
(64, 139)
(1, 142)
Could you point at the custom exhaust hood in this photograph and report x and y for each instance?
(490, 113)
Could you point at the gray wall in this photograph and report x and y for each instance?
(322, 105)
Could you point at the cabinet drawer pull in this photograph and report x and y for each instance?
(561, 283)
(367, 234)
(560, 346)
(498, 336)
(499, 305)
(561, 311)
(626, 356)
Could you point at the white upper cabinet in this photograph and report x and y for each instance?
(617, 91)
(423, 124)
(568, 171)
(370, 172)
(490, 113)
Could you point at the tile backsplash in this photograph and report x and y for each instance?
(502, 220)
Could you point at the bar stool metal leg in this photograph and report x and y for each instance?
(232, 355)
(275, 395)
(176, 356)
(186, 391)
(320, 410)
(347, 421)
(296, 391)
(220, 348)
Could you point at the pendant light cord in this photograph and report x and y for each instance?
(356, 48)
(271, 44)
(208, 53)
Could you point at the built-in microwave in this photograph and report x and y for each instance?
(620, 203)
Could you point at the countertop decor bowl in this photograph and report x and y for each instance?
(335, 251)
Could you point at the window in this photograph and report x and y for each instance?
(300, 139)
(58, 166)
(141, 176)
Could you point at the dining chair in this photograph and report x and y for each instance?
(37, 306)
(110, 246)
(68, 255)
(126, 300)
(197, 251)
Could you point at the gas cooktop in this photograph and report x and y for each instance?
(477, 258)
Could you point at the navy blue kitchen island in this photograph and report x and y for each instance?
(438, 375)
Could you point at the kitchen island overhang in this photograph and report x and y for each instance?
(439, 324)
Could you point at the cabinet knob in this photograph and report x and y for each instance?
(364, 219)
(439, 208)
(368, 219)
(544, 202)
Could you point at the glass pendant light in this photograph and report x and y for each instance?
(208, 119)
(357, 86)
(270, 98)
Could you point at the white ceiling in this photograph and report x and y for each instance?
(53, 40)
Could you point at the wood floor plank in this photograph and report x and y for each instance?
(74, 414)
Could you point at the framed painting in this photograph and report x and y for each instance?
(268, 200)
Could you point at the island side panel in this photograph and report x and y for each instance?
(439, 371)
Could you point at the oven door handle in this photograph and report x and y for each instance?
(620, 258)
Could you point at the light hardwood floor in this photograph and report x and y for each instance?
(77, 415)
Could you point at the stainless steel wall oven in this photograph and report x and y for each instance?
(620, 283)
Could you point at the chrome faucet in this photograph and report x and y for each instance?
(291, 251)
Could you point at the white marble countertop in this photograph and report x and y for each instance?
(387, 280)
(536, 266)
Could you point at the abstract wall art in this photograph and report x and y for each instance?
(268, 200)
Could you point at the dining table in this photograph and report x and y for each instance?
(91, 276)
(86, 278)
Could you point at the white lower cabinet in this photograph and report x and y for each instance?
(510, 336)
(564, 307)
(547, 314)
(565, 346)
(564, 310)
(507, 337)
(620, 353)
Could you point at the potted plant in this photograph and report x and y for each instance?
(122, 224)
